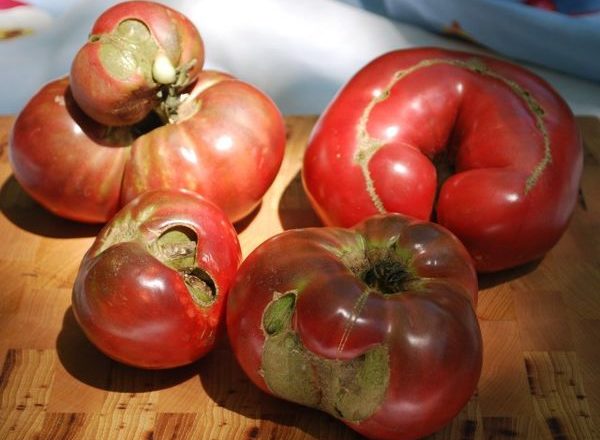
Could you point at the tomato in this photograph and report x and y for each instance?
(138, 113)
(151, 290)
(374, 325)
(138, 54)
(66, 161)
(484, 147)
(227, 144)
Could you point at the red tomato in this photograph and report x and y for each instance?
(374, 325)
(66, 161)
(227, 144)
(485, 147)
(151, 290)
(137, 55)
(228, 149)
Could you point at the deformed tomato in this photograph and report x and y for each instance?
(374, 325)
(151, 290)
(135, 49)
(138, 113)
(227, 143)
(485, 147)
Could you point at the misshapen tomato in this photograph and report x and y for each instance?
(151, 290)
(69, 163)
(226, 144)
(374, 325)
(487, 148)
(138, 113)
(135, 49)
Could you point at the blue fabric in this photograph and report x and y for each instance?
(561, 34)
(577, 6)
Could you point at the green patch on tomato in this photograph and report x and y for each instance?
(351, 390)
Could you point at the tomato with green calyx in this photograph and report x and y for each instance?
(482, 146)
(151, 290)
(374, 325)
(139, 55)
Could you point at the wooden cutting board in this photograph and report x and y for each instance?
(540, 324)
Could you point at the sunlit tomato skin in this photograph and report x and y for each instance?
(374, 325)
(227, 145)
(226, 142)
(138, 113)
(485, 147)
(135, 50)
(69, 163)
(151, 290)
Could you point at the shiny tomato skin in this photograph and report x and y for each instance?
(426, 325)
(233, 127)
(485, 147)
(85, 159)
(132, 294)
(66, 161)
(229, 148)
(111, 75)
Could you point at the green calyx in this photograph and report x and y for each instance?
(389, 269)
(351, 390)
(388, 277)
(176, 248)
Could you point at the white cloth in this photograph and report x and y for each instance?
(298, 52)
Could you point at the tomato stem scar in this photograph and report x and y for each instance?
(127, 50)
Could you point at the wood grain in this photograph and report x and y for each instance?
(540, 324)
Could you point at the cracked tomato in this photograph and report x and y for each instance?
(138, 113)
(151, 290)
(374, 325)
(137, 52)
(226, 143)
(486, 148)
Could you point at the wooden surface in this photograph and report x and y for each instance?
(540, 324)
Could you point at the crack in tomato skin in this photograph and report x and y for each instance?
(368, 146)
(351, 321)
(288, 343)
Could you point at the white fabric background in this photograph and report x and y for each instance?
(300, 52)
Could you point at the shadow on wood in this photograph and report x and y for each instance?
(294, 209)
(244, 222)
(24, 212)
(228, 386)
(490, 280)
(82, 360)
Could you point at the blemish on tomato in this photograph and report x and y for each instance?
(368, 145)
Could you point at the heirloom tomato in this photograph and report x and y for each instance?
(374, 325)
(138, 55)
(227, 144)
(486, 148)
(66, 161)
(151, 290)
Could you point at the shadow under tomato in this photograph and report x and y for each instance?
(21, 210)
(295, 210)
(493, 279)
(244, 222)
(83, 361)
(228, 386)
